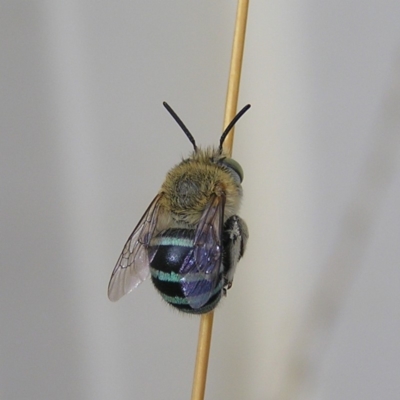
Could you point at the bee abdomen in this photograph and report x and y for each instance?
(167, 253)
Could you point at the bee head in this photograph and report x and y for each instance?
(230, 164)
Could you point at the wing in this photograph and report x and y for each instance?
(202, 266)
(132, 267)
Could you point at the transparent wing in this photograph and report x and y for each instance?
(202, 266)
(132, 267)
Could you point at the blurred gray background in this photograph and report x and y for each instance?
(85, 144)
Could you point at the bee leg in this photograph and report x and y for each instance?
(234, 239)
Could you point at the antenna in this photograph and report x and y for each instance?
(181, 124)
(231, 125)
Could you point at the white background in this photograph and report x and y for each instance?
(85, 144)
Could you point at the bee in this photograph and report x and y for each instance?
(189, 239)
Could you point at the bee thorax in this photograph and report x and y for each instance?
(187, 190)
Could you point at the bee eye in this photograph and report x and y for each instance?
(234, 167)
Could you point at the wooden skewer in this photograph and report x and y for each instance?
(203, 352)
(206, 322)
(235, 71)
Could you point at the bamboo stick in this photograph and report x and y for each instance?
(206, 322)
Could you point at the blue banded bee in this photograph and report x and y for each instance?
(189, 239)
